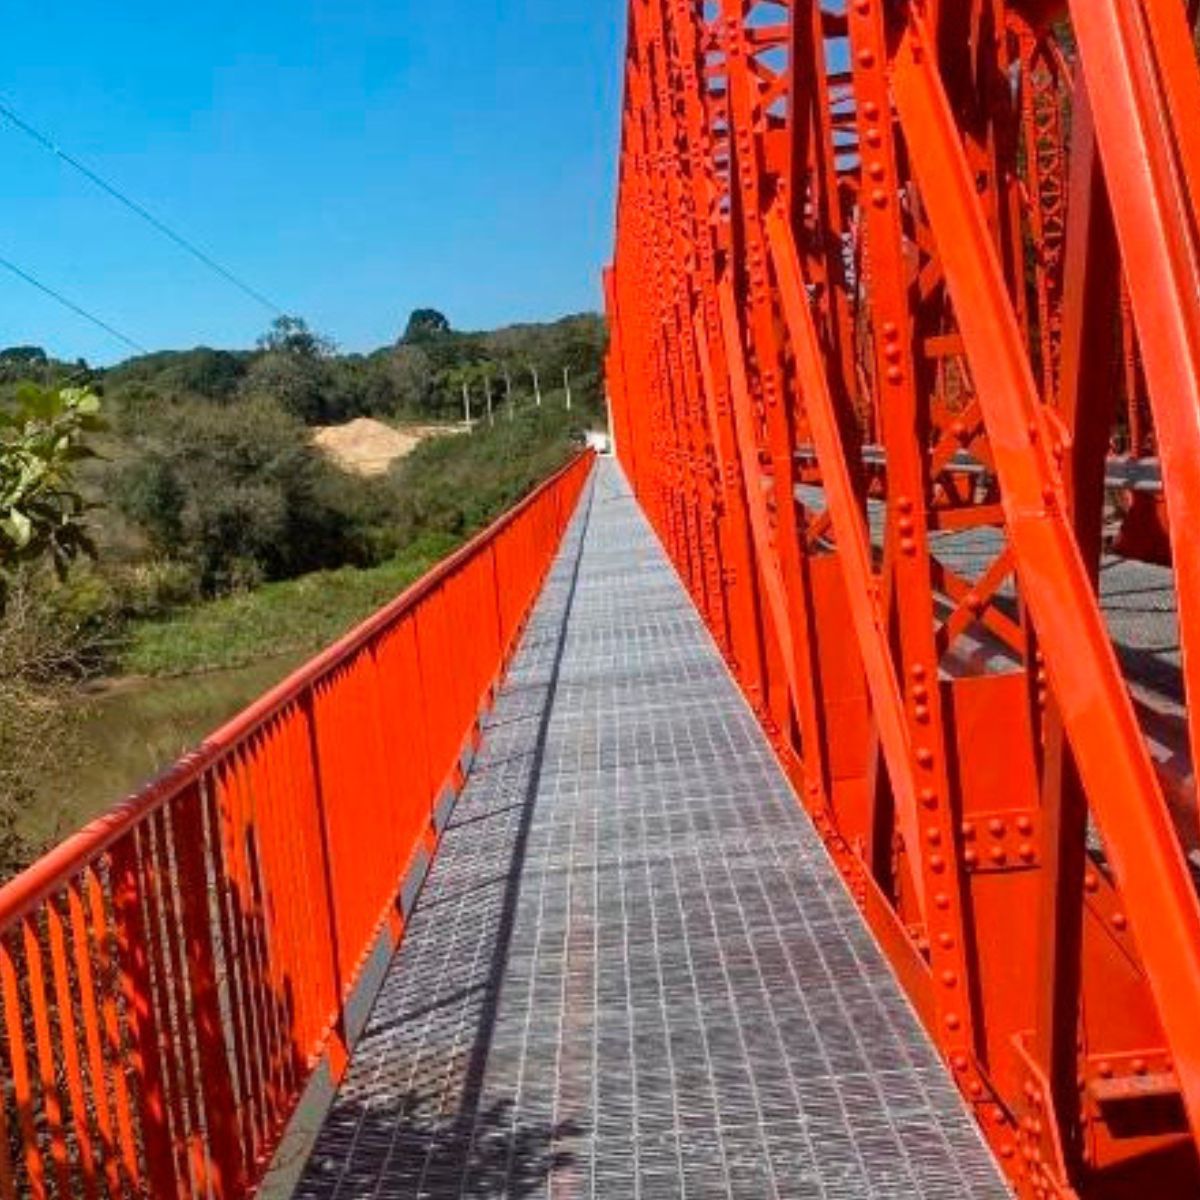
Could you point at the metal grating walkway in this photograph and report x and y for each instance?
(632, 971)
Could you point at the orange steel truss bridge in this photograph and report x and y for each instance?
(802, 805)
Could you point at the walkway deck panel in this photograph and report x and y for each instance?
(632, 971)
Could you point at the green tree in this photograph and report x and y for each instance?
(411, 375)
(43, 436)
(245, 499)
(25, 356)
(181, 374)
(424, 325)
(291, 335)
(299, 382)
(296, 368)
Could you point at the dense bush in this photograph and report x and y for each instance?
(180, 375)
(241, 496)
(456, 485)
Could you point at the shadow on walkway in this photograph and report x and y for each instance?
(433, 1134)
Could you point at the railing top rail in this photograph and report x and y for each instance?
(52, 871)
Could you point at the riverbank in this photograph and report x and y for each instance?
(131, 730)
(277, 619)
(184, 675)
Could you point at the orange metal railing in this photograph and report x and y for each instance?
(171, 976)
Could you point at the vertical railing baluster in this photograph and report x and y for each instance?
(145, 1051)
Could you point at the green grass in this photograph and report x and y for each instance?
(295, 616)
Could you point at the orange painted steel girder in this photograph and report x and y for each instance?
(891, 280)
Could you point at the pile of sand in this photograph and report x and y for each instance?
(367, 447)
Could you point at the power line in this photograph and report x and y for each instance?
(48, 143)
(83, 312)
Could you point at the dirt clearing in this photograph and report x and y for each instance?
(367, 447)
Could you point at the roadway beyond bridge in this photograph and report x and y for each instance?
(633, 970)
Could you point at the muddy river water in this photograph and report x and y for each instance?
(133, 730)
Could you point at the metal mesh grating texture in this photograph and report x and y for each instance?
(632, 971)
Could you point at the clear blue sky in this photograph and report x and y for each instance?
(353, 159)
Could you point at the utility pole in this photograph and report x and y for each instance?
(537, 386)
(508, 392)
(487, 384)
(567, 385)
(467, 404)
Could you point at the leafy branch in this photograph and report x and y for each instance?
(43, 436)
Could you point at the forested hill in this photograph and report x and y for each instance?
(420, 377)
